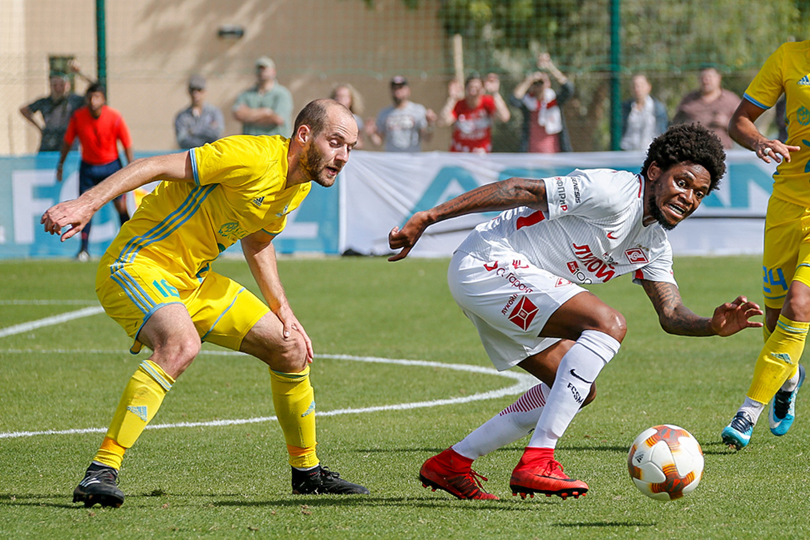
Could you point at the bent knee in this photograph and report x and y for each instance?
(612, 323)
(288, 356)
(176, 356)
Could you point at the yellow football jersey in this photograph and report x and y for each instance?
(238, 189)
(788, 71)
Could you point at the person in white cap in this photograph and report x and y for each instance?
(265, 109)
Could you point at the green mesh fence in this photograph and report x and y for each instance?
(152, 47)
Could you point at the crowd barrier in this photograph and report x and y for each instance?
(377, 191)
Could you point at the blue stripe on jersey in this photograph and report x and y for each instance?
(160, 379)
(194, 167)
(136, 288)
(757, 103)
(137, 302)
(223, 313)
(166, 227)
(182, 208)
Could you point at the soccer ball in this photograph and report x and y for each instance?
(665, 462)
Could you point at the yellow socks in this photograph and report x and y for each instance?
(139, 403)
(294, 400)
(779, 359)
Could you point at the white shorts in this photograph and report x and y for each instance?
(509, 301)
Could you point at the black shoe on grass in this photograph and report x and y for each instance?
(322, 481)
(100, 486)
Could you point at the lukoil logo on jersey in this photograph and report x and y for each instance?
(594, 264)
(524, 313)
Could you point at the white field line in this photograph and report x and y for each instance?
(49, 321)
(522, 383)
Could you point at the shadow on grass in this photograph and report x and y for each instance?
(343, 501)
(717, 448)
(605, 524)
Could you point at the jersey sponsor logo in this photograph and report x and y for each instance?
(523, 314)
(517, 264)
(593, 264)
(509, 303)
(562, 195)
(612, 235)
(513, 280)
(258, 201)
(491, 267)
(232, 231)
(139, 411)
(580, 276)
(636, 255)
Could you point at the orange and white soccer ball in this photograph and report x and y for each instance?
(665, 462)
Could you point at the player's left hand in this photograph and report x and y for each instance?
(731, 317)
(291, 324)
(406, 237)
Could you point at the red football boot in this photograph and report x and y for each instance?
(452, 472)
(536, 474)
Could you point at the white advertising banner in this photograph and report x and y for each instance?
(380, 191)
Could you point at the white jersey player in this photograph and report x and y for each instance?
(516, 278)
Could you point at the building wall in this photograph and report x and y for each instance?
(153, 47)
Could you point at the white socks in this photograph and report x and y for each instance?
(577, 371)
(511, 424)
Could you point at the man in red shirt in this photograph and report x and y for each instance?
(98, 128)
(471, 113)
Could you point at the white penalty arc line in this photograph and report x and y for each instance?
(522, 384)
(50, 321)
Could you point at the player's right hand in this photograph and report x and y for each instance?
(406, 237)
(63, 214)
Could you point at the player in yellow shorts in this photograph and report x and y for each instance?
(156, 281)
(778, 375)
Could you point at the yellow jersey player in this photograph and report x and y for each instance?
(155, 280)
(786, 258)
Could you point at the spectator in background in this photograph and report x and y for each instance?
(404, 125)
(348, 96)
(98, 128)
(470, 112)
(643, 117)
(54, 111)
(201, 122)
(710, 105)
(544, 128)
(265, 109)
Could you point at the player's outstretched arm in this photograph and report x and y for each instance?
(495, 197)
(260, 255)
(675, 318)
(77, 212)
(742, 129)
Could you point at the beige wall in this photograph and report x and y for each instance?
(153, 46)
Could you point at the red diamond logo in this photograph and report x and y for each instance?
(524, 313)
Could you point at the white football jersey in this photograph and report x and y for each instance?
(592, 232)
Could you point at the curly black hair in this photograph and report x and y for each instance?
(692, 143)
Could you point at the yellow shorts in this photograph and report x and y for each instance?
(786, 250)
(222, 310)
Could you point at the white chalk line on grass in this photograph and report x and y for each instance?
(49, 321)
(522, 384)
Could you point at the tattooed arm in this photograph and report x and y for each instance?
(676, 318)
(495, 197)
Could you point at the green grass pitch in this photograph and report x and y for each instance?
(232, 480)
